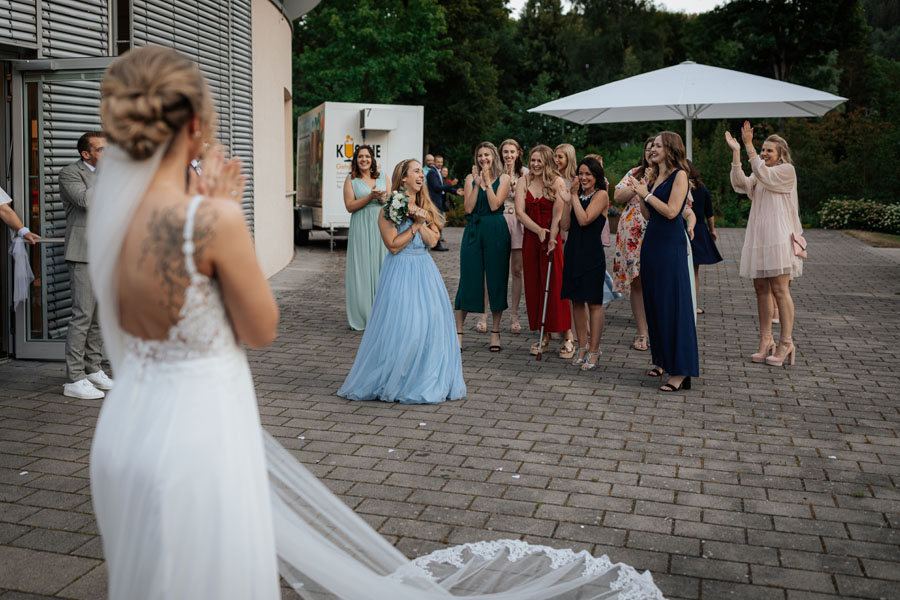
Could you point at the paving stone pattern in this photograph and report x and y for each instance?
(759, 483)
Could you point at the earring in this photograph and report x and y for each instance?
(197, 133)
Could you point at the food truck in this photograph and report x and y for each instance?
(327, 136)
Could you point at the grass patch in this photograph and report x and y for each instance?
(875, 239)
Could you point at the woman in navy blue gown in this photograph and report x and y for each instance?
(703, 244)
(664, 268)
(409, 352)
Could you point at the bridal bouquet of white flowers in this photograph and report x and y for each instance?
(396, 209)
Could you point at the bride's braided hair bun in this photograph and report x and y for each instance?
(148, 95)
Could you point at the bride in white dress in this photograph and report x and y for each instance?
(184, 502)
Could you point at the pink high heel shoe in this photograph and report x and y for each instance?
(778, 361)
(760, 357)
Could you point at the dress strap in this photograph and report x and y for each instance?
(188, 247)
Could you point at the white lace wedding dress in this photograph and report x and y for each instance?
(178, 471)
(179, 478)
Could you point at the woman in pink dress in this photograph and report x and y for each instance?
(768, 255)
(629, 235)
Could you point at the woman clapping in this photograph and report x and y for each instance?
(584, 269)
(664, 269)
(768, 254)
(484, 252)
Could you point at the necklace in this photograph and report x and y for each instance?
(584, 197)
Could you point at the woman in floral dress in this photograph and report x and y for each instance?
(629, 234)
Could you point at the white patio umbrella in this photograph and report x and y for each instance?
(690, 91)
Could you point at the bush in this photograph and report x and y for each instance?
(891, 223)
(456, 214)
(868, 215)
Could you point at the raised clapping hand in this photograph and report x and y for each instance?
(747, 135)
(732, 143)
(639, 186)
(485, 180)
(219, 179)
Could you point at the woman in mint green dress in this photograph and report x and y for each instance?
(364, 190)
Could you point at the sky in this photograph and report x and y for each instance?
(692, 6)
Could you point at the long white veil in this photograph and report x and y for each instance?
(325, 550)
(121, 183)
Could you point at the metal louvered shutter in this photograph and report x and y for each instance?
(18, 22)
(216, 34)
(74, 28)
(69, 108)
(241, 73)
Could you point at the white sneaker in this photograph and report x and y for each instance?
(100, 380)
(82, 389)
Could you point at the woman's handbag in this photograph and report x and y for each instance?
(799, 245)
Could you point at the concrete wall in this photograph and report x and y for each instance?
(272, 137)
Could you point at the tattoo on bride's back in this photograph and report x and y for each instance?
(162, 251)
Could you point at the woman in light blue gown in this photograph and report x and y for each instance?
(408, 353)
(364, 190)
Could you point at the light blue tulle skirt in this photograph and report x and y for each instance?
(409, 352)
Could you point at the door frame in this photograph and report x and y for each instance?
(20, 344)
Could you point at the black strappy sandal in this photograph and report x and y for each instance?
(655, 372)
(495, 347)
(668, 387)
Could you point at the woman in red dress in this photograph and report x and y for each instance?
(539, 206)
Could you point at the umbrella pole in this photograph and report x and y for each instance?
(689, 138)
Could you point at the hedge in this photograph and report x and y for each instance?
(868, 215)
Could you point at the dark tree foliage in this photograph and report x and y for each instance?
(477, 70)
(363, 50)
(463, 105)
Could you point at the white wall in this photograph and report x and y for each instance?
(272, 137)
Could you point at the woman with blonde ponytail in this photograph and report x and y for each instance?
(409, 353)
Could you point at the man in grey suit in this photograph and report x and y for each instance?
(85, 378)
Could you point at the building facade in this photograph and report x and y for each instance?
(53, 54)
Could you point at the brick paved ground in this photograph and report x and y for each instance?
(760, 483)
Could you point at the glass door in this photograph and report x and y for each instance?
(54, 103)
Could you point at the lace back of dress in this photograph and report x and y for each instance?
(203, 329)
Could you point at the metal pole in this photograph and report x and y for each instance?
(689, 138)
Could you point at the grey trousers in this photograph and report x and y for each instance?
(83, 342)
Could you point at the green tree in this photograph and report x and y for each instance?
(367, 51)
(462, 105)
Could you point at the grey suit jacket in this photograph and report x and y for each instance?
(75, 183)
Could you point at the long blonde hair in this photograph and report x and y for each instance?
(421, 199)
(571, 161)
(548, 173)
(675, 155)
(784, 152)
